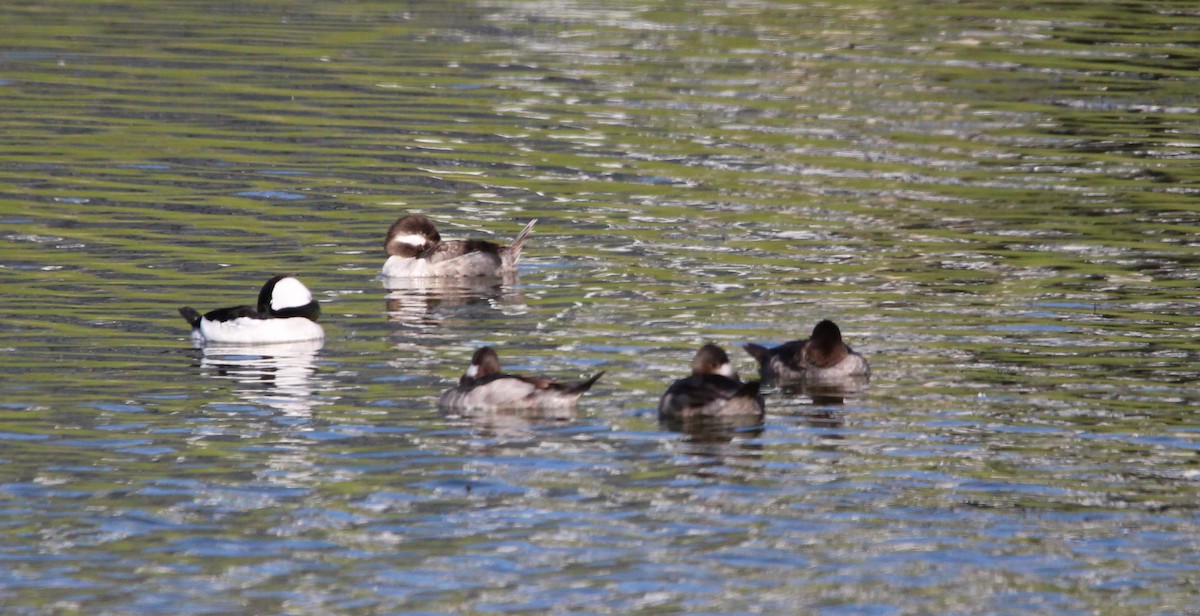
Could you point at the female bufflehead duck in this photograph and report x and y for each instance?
(821, 358)
(286, 312)
(415, 249)
(485, 387)
(713, 390)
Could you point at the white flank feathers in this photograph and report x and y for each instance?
(245, 330)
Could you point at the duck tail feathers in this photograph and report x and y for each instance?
(190, 315)
(582, 386)
(514, 249)
(758, 351)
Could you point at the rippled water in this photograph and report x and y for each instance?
(997, 203)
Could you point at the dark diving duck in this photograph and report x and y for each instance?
(713, 390)
(820, 360)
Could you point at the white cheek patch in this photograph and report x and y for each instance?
(290, 293)
(412, 240)
(472, 371)
(726, 371)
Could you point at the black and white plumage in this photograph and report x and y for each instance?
(486, 387)
(713, 390)
(821, 359)
(416, 250)
(286, 312)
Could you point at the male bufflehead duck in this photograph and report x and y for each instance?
(485, 387)
(821, 358)
(286, 312)
(415, 250)
(713, 390)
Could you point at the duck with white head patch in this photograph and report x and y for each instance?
(486, 387)
(286, 312)
(416, 250)
(713, 390)
(821, 359)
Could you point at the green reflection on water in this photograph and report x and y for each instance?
(998, 203)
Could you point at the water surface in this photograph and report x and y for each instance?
(997, 203)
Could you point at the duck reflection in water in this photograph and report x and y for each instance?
(828, 394)
(825, 419)
(702, 429)
(824, 414)
(427, 302)
(511, 422)
(279, 376)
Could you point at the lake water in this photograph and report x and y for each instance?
(999, 205)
